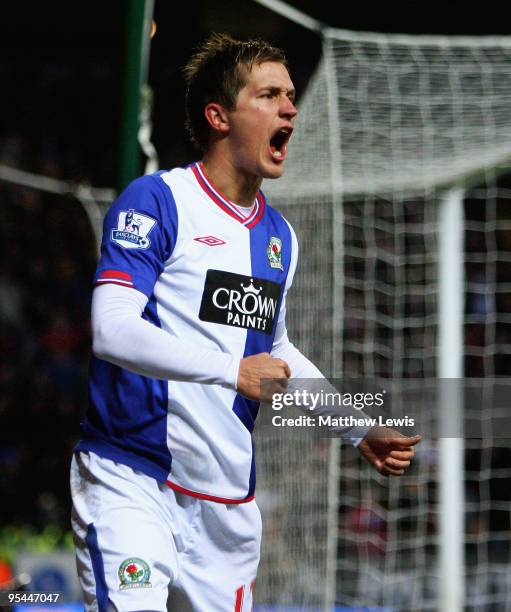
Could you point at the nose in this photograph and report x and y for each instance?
(287, 108)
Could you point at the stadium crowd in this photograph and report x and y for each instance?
(48, 260)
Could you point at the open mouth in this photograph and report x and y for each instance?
(278, 143)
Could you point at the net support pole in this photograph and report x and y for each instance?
(138, 27)
(450, 366)
(290, 12)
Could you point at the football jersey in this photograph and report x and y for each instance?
(215, 276)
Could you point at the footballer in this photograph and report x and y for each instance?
(188, 316)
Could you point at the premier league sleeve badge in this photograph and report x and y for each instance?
(133, 230)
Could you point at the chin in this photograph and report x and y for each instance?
(274, 171)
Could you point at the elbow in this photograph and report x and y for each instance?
(102, 342)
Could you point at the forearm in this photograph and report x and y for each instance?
(300, 366)
(305, 376)
(123, 338)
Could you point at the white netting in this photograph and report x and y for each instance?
(385, 125)
(488, 355)
(95, 201)
(412, 114)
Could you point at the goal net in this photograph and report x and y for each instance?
(388, 125)
(94, 201)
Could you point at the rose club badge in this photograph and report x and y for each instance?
(274, 252)
(134, 573)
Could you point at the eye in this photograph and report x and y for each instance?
(269, 95)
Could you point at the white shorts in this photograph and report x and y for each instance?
(139, 543)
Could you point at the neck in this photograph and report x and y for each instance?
(238, 185)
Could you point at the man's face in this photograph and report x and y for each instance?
(262, 121)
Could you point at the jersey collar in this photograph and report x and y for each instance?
(226, 205)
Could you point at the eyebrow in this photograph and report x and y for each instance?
(291, 92)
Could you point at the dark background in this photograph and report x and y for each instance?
(60, 105)
(61, 65)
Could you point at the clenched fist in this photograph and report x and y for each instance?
(262, 367)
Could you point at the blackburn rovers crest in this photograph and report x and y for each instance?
(133, 230)
(134, 573)
(274, 252)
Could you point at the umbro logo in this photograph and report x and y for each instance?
(210, 240)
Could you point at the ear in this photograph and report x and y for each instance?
(217, 118)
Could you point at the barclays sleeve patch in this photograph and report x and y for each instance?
(133, 230)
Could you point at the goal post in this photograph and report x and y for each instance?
(450, 366)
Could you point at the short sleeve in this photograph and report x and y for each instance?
(139, 234)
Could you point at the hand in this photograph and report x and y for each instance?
(261, 367)
(388, 450)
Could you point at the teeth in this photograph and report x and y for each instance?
(277, 154)
(285, 131)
